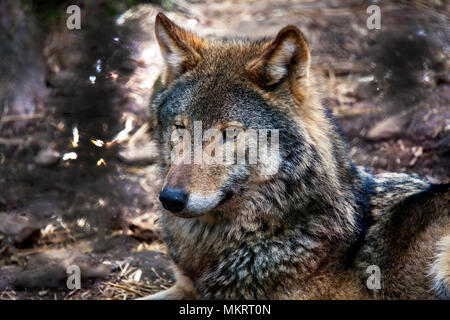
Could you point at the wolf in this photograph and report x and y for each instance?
(314, 228)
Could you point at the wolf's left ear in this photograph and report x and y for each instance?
(180, 48)
(285, 57)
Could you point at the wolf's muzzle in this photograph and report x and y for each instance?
(173, 200)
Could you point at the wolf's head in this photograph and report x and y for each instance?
(241, 97)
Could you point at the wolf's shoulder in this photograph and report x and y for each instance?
(405, 197)
(401, 192)
(391, 188)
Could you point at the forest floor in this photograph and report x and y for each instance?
(78, 183)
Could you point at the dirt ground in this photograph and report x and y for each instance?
(78, 180)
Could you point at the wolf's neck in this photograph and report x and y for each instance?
(325, 190)
(214, 256)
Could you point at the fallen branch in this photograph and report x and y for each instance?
(12, 141)
(139, 293)
(21, 117)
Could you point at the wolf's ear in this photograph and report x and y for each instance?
(180, 49)
(284, 57)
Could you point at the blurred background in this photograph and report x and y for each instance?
(78, 180)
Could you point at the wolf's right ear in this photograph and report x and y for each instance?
(285, 57)
(180, 49)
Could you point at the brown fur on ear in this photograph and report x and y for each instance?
(179, 48)
(287, 55)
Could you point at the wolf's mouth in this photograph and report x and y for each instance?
(226, 198)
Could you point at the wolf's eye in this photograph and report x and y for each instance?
(231, 134)
(179, 126)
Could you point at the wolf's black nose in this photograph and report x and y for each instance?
(173, 200)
